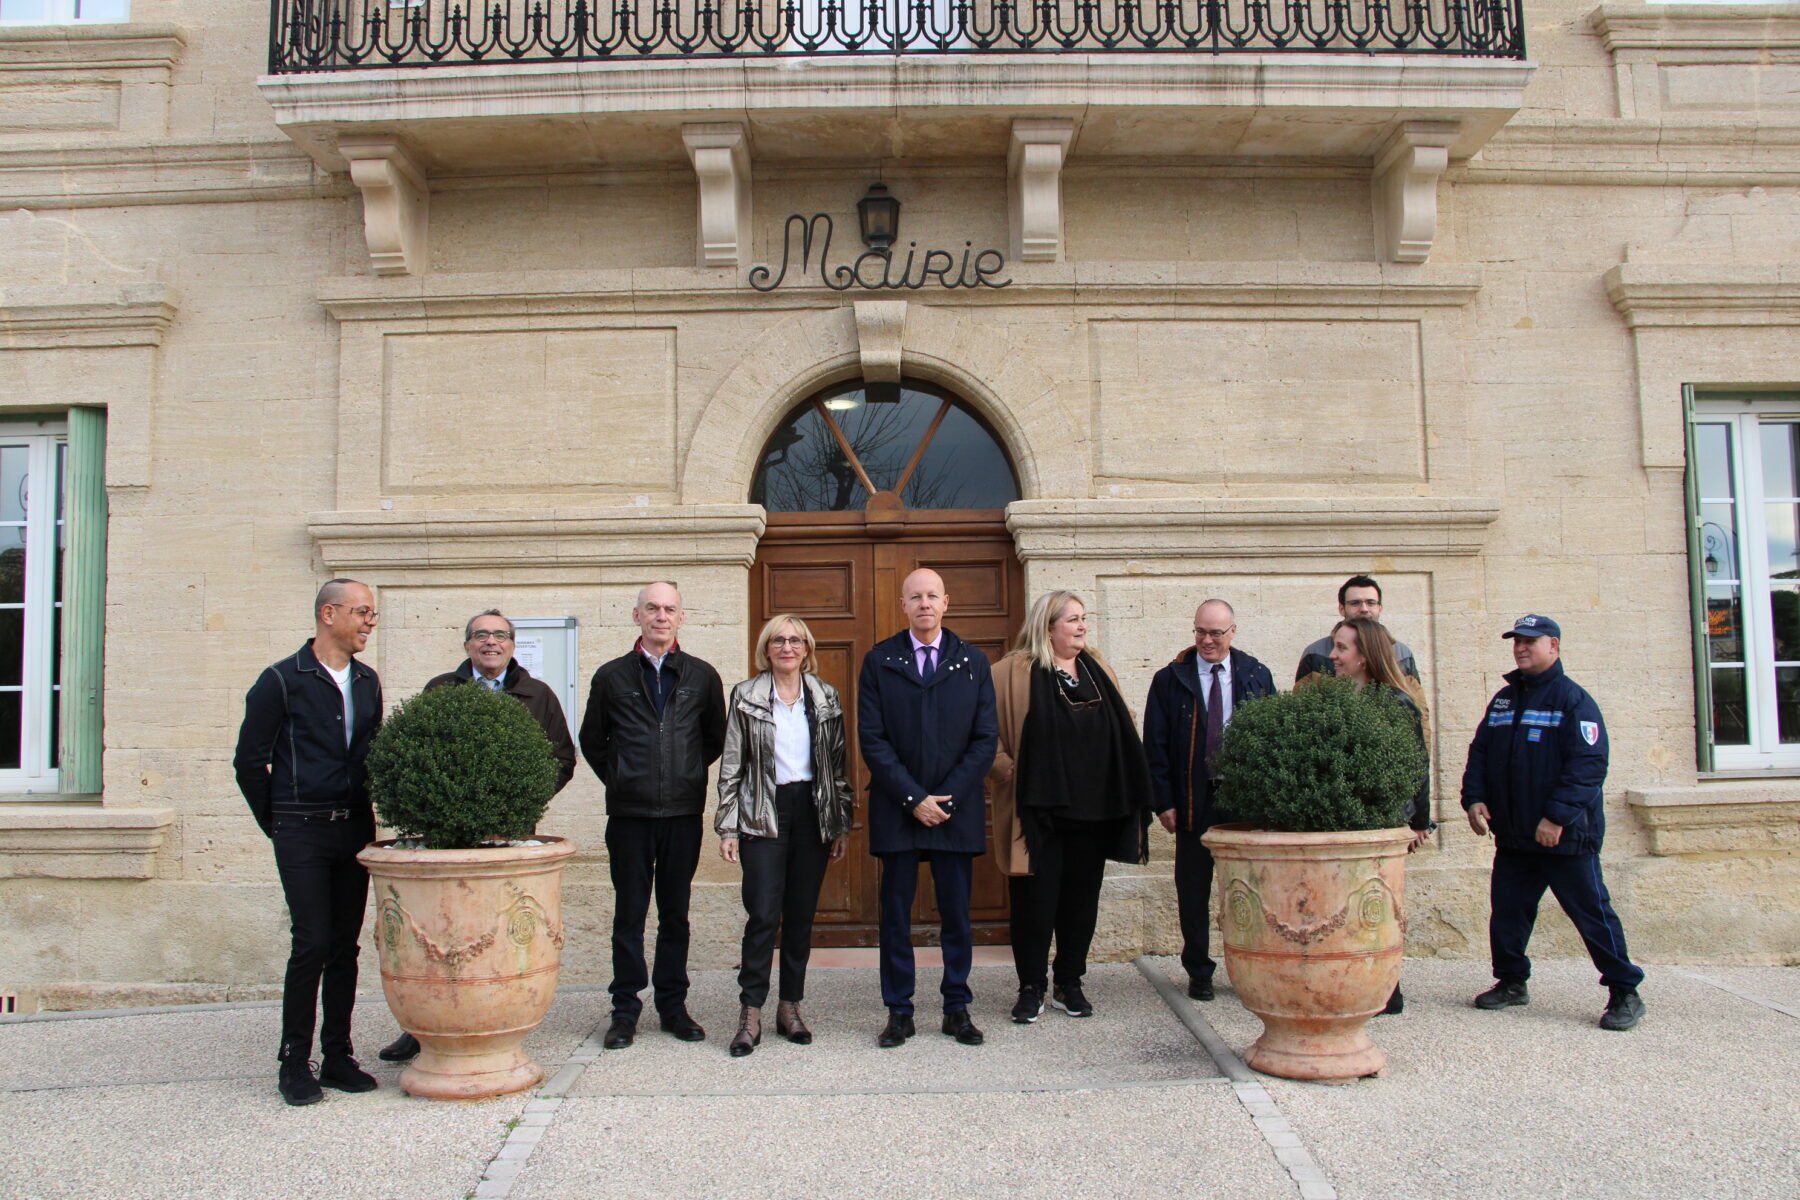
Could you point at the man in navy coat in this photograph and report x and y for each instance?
(928, 730)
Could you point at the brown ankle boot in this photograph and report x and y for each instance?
(749, 1032)
(789, 1025)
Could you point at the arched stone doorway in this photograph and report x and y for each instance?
(864, 483)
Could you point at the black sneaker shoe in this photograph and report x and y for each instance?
(1200, 989)
(1505, 994)
(1030, 1006)
(297, 1083)
(346, 1074)
(1068, 997)
(619, 1034)
(404, 1047)
(1623, 1011)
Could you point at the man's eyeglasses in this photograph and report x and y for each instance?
(798, 643)
(1213, 635)
(362, 612)
(491, 635)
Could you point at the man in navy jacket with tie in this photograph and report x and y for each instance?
(1191, 702)
(928, 730)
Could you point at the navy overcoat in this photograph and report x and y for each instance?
(923, 739)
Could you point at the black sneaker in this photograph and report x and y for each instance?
(297, 1083)
(1030, 1006)
(1505, 994)
(1068, 997)
(346, 1074)
(1623, 1011)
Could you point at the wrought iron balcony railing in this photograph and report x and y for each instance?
(333, 35)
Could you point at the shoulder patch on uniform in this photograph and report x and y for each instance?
(1590, 732)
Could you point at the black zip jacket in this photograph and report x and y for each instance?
(291, 755)
(654, 764)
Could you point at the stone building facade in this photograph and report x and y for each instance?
(491, 334)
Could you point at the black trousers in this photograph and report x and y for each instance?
(327, 891)
(1193, 894)
(651, 854)
(1518, 884)
(1060, 899)
(782, 877)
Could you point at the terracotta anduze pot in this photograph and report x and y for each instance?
(470, 943)
(1314, 933)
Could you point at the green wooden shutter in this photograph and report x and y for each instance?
(84, 602)
(1703, 708)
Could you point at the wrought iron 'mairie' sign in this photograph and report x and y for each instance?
(873, 270)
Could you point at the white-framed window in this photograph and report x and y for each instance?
(63, 12)
(1744, 549)
(32, 470)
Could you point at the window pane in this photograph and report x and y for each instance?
(15, 463)
(1724, 625)
(1784, 617)
(1730, 712)
(1718, 542)
(884, 434)
(963, 468)
(62, 456)
(12, 646)
(102, 10)
(1712, 443)
(1783, 521)
(1787, 702)
(24, 10)
(12, 564)
(9, 731)
(804, 470)
(1778, 439)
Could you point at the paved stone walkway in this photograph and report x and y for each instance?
(1146, 1098)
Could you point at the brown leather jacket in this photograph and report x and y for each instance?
(747, 768)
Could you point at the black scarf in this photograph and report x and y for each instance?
(1043, 786)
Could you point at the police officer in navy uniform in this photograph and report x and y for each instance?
(308, 721)
(928, 729)
(1534, 777)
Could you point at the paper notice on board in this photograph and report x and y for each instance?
(528, 652)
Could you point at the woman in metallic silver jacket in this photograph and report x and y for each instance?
(784, 815)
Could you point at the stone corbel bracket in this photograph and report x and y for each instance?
(880, 332)
(396, 203)
(1404, 188)
(721, 157)
(1034, 163)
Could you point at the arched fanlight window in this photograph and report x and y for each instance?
(907, 439)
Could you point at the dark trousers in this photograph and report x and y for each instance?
(782, 877)
(1518, 884)
(1193, 894)
(651, 854)
(1060, 898)
(951, 876)
(327, 891)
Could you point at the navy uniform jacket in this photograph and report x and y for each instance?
(1540, 752)
(923, 739)
(1175, 734)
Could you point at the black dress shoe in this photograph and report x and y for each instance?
(297, 1083)
(345, 1074)
(1396, 1004)
(899, 1028)
(400, 1049)
(683, 1026)
(619, 1034)
(1200, 989)
(958, 1026)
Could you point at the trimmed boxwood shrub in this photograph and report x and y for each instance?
(459, 766)
(1325, 758)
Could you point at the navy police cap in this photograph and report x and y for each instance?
(1533, 626)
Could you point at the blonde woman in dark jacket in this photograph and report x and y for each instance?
(784, 816)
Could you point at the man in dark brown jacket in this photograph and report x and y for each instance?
(488, 641)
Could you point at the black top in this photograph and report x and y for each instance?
(1085, 729)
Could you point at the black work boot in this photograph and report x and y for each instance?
(297, 1083)
(1505, 994)
(1624, 1009)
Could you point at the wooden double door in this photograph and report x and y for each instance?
(827, 569)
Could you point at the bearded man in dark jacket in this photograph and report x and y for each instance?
(1534, 778)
